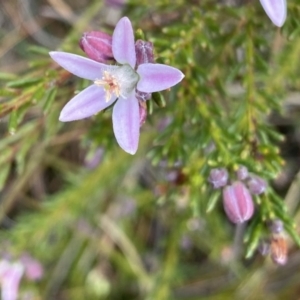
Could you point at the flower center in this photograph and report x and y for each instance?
(110, 85)
(120, 81)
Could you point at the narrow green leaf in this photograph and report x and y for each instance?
(23, 82)
(7, 76)
(149, 107)
(254, 241)
(4, 171)
(38, 50)
(13, 122)
(50, 97)
(213, 200)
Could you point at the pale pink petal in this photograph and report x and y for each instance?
(126, 123)
(10, 283)
(78, 65)
(276, 10)
(123, 43)
(87, 103)
(4, 268)
(157, 77)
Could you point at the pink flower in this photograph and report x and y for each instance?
(116, 82)
(238, 203)
(276, 10)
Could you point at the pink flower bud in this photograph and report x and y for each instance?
(218, 177)
(276, 10)
(256, 185)
(238, 203)
(276, 226)
(97, 45)
(144, 52)
(242, 173)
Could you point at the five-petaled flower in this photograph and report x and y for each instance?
(112, 82)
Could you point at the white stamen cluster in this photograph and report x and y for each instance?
(120, 81)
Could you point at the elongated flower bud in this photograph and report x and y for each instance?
(144, 52)
(237, 202)
(276, 10)
(97, 45)
(256, 185)
(218, 177)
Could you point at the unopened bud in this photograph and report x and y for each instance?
(276, 226)
(237, 202)
(218, 177)
(144, 52)
(279, 251)
(242, 173)
(97, 45)
(256, 185)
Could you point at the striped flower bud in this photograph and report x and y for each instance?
(218, 177)
(144, 52)
(144, 55)
(97, 45)
(238, 203)
(256, 185)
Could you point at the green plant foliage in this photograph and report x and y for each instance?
(151, 226)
